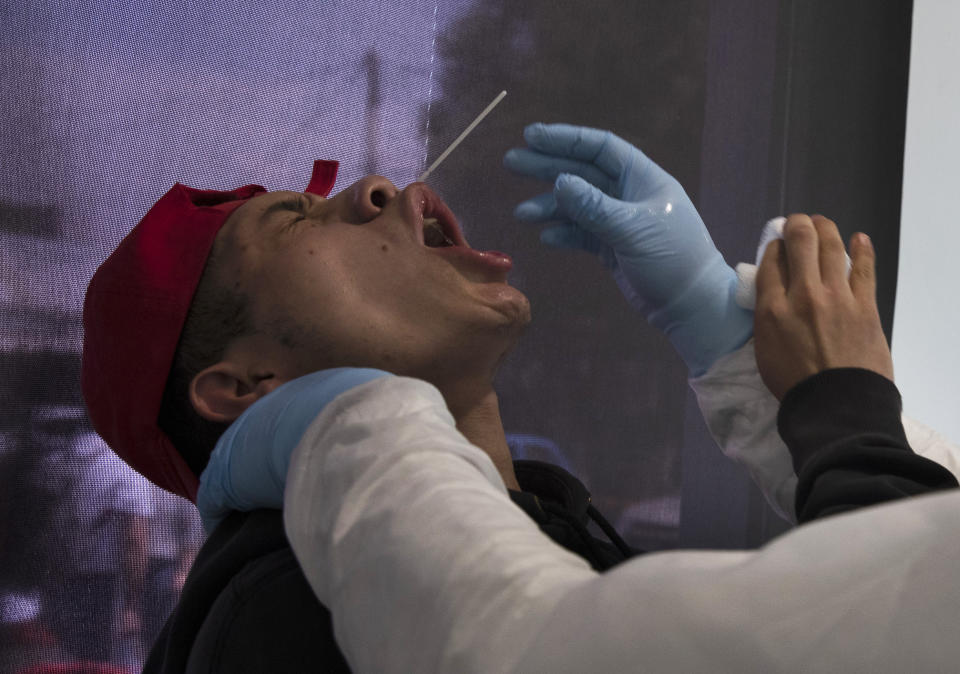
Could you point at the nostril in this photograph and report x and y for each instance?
(371, 196)
(378, 198)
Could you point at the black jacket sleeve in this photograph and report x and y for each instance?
(849, 449)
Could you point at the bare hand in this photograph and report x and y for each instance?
(810, 317)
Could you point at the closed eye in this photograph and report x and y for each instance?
(295, 203)
(296, 206)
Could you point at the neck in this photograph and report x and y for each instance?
(478, 417)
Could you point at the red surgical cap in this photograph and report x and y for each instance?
(133, 315)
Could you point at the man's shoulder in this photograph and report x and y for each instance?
(247, 606)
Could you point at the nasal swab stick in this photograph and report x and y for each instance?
(466, 132)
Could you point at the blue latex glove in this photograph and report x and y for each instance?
(248, 467)
(613, 201)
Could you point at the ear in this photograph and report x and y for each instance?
(223, 391)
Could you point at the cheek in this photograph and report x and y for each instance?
(383, 285)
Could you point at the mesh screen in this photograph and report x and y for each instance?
(106, 104)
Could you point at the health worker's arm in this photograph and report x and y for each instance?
(825, 317)
(741, 414)
(822, 352)
(611, 200)
(848, 445)
(407, 535)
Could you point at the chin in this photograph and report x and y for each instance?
(476, 355)
(514, 307)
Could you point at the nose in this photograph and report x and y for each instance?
(371, 195)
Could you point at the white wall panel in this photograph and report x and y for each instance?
(926, 330)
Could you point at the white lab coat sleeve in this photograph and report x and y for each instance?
(741, 414)
(406, 534)
(929, 444)
(388, 447)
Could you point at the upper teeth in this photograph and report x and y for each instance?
(433, 234)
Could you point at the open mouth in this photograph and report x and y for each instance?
(438, 228)
(438, 225)
(434, 235)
